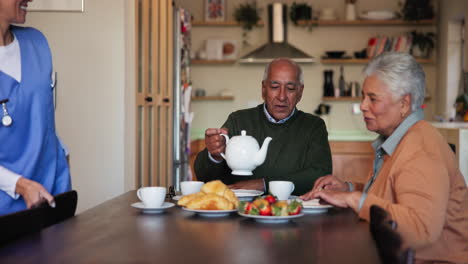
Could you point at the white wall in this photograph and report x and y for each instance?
(245, 80)
(89, 55)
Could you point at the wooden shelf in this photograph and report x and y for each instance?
(363, 61)
(212, 98)
(392, 22)
(219, 24)
(213, 62)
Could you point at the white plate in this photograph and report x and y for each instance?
(314, 207)
(152, 210)
(210, 213)
(272, 219)
(246, 195)
(177, 197)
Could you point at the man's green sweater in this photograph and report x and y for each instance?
(299, 151)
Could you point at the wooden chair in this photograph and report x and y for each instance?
(65, 207)
(388, 241)
(18, 224)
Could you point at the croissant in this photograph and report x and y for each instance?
(184, 200)
(210, 201)
(219, 188)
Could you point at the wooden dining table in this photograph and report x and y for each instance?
(115, 232)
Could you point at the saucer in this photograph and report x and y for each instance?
(152, 210)
(314, 207)
(177, 197)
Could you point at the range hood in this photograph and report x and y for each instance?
(277, 46)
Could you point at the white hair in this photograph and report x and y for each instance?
(300, 76)
(401, 73)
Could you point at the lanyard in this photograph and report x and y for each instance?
(6, 119)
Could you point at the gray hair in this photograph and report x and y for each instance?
(401, 73)
(299, 69)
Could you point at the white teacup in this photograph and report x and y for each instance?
(189, 187)
(281, 189)
(152, 197)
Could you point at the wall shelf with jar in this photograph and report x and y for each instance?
(364, 61)
(391, 22)
(208, 62)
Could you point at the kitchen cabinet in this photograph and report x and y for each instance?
(457, 134)
(352, 160)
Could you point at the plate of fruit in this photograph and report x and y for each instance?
(267, 209)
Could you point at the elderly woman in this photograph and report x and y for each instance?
(415, 176)
(33, 165)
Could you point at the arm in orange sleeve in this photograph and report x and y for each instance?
(421, 191)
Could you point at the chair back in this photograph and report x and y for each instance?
(65, 207)
(387, 239)
(18, 224)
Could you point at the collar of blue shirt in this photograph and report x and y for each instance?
(272, 120)
(389, 144)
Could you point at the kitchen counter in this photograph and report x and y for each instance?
(451, 125)
(351, 135)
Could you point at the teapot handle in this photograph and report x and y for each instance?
(227, 140)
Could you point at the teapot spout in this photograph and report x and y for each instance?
(261, 154)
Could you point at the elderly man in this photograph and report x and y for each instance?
(299, 151)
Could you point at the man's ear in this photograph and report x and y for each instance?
(301, 89)
(264, 90)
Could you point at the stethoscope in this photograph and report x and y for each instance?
(6, 119)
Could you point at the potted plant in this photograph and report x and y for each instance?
(247, 15)
(417, 10)
(300, 12)
(422, 44)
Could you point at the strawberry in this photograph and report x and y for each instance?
(270, 199)
(265, 209)
(280, 208)
(294, 207)
(263, 206)
(251, 209)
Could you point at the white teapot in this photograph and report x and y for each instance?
(243, 153)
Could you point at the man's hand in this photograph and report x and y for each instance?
(33, 193)
(215, 143)
(256, 184)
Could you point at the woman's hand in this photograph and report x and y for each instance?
(215, 143)
(33, 193)
(328, 182)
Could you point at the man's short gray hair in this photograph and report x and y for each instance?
(401, 73)
(299, 69)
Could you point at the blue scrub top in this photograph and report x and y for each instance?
(30, 147)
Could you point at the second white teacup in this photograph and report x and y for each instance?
(152, 197)
(189, 187)
(281, 189)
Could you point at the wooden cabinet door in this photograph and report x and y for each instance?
(154, 72)
(352, 160)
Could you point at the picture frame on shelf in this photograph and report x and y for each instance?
(215, 10)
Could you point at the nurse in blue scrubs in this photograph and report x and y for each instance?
(33, 165)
